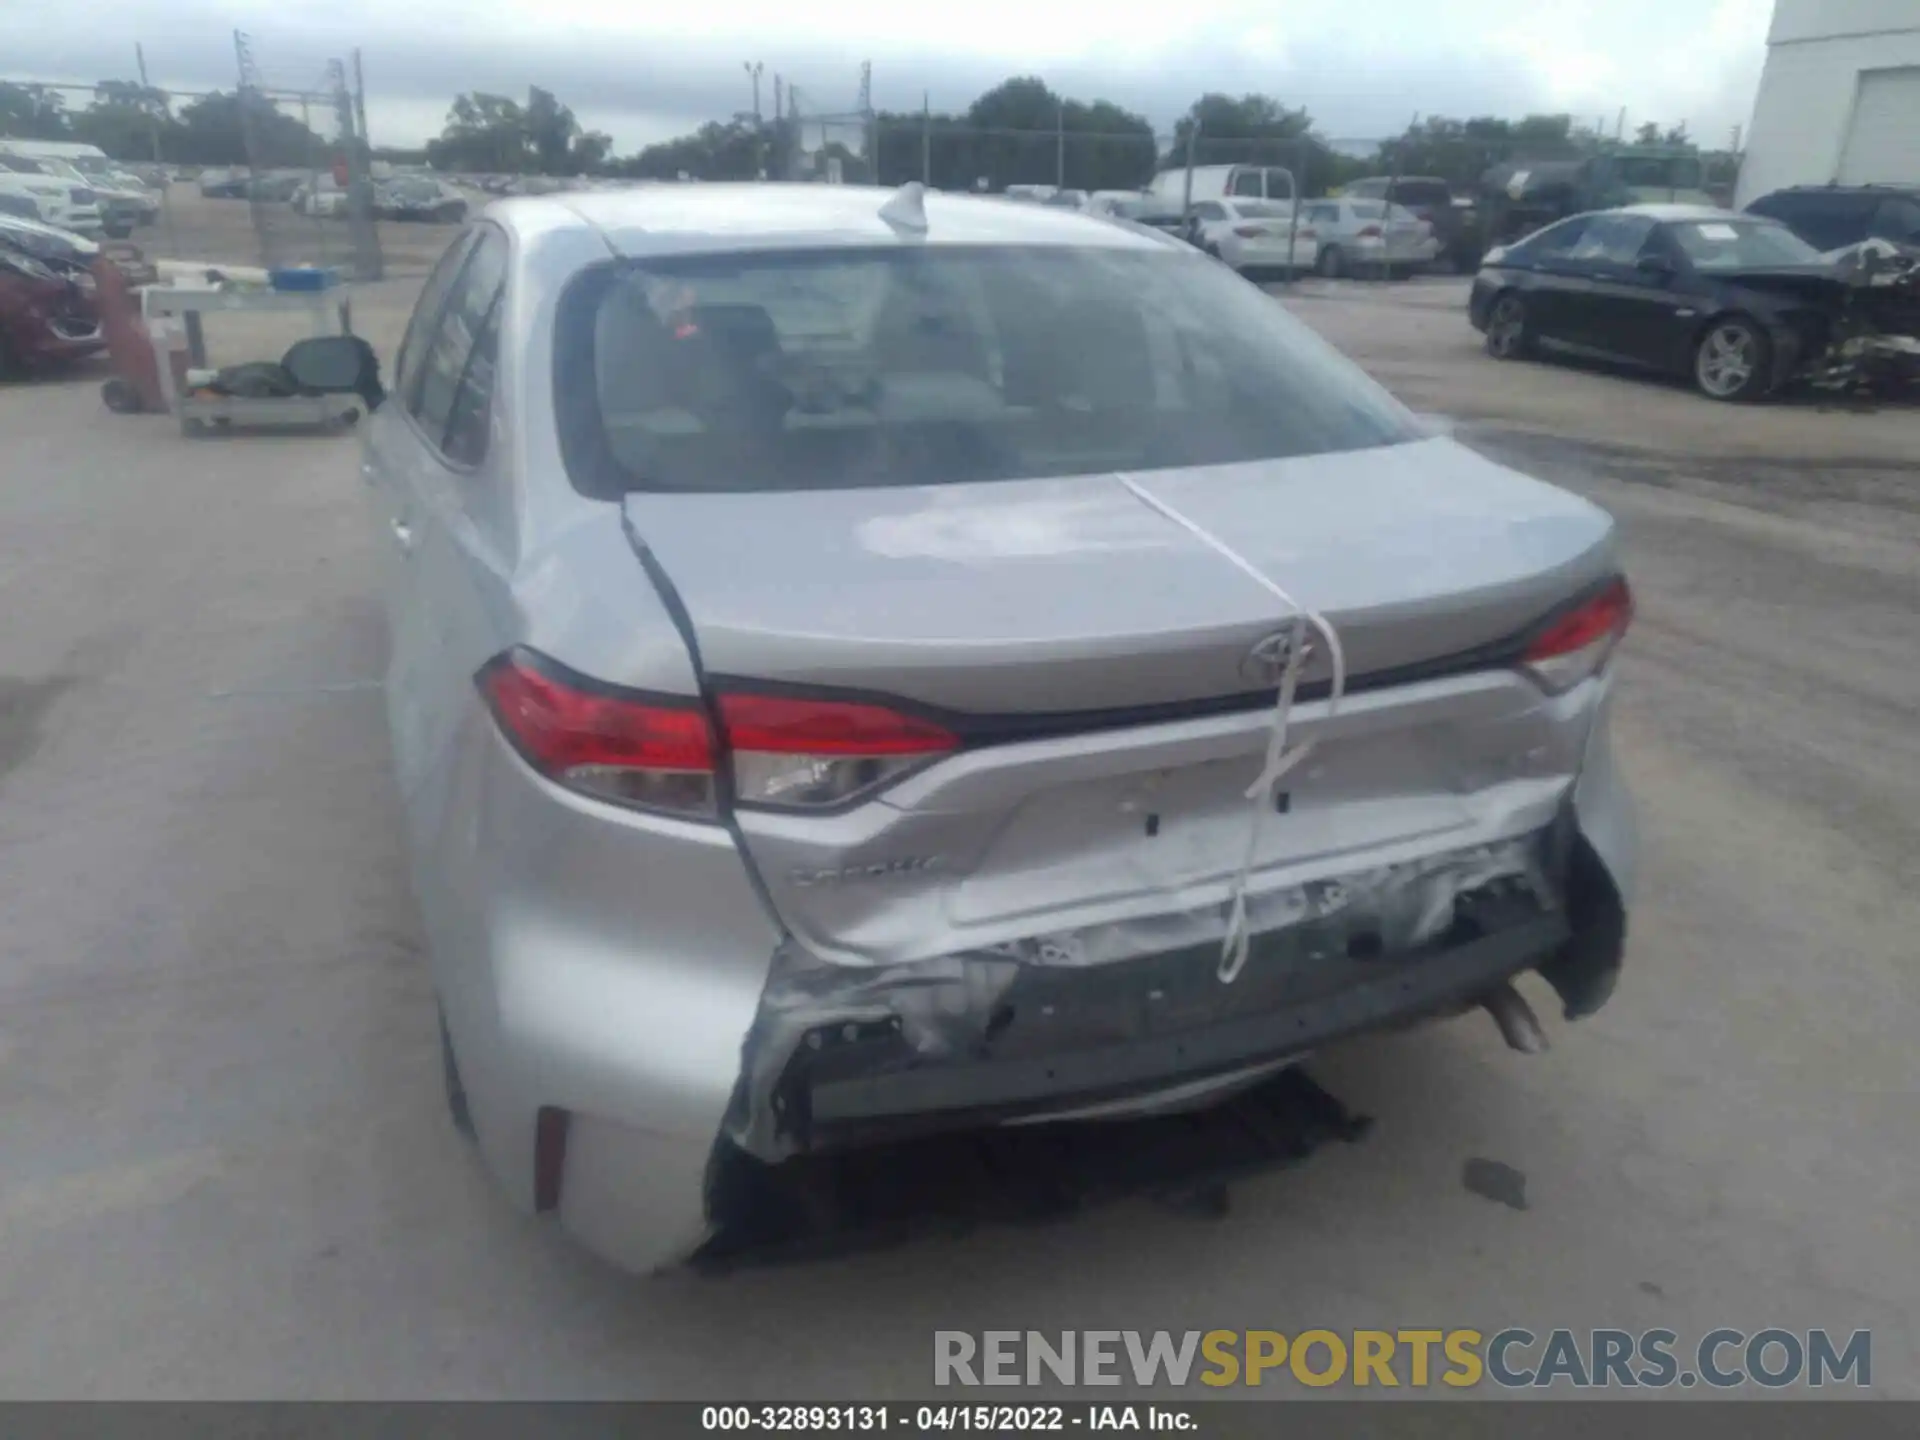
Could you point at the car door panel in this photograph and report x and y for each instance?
(390, 467)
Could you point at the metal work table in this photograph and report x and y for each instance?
(331, 311)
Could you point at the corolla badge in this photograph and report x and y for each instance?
(1266, 662)
(806, 878)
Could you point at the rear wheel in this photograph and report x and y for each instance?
(1332, 263)
(1734, 360)
(1509, 336)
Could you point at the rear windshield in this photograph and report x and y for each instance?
(1741, 244)
(832, 369)
(1263, 209)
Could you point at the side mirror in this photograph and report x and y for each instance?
(335, 365)
(1656, 265)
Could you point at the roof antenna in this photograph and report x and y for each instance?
(906, 209)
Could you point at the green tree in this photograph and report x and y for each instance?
(32, 112)
(716, 151)
(214, 130)
(123, 118)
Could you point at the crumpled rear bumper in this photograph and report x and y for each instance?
(649, 1088)
(839, 1059)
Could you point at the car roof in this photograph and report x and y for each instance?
(1888, 188)
(695, 217)
(1666, 212)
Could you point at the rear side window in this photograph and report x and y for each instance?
(1555, 239)
(936, 365)
(406, 367)
(1613, 239)
(453, 401)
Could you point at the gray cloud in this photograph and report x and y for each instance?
(641, 89)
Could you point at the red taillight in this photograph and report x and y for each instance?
(1579, 642)
(1370, 232)
(1307, 234)
(660, 753)
(787, 726)
(617, 746)
(1248, 232)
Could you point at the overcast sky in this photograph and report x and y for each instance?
(645, 71)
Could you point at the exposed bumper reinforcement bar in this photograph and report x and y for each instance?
(861, 1109)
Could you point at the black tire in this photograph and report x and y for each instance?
(457, 1110)
(1509, 331)
(1331, 264)
(1733, 360)
(120, 397)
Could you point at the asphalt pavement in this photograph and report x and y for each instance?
(228, 1171)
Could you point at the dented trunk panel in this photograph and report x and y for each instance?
(1011, 604)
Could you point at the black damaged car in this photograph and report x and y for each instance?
(1736, 303)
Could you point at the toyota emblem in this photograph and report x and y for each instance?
(1267, 661)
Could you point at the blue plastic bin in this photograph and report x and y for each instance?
(303, 277)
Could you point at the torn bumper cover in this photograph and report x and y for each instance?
(1121, 1016)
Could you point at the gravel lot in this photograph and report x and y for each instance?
(229, 1172)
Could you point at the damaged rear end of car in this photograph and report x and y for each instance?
(959, 755)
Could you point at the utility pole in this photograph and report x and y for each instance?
(753, 69)
(1060, 146)
(872, 123)
(153, 129)
(783, 161)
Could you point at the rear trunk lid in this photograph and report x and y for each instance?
(1081, 639)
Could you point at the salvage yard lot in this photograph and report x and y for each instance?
(229, 1170)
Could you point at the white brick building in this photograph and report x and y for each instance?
(1839, 99)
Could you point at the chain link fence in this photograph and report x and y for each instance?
(262, 174)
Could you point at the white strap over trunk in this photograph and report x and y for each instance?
(1234, 947)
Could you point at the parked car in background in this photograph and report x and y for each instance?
(225, 184)
(414, 197)
(65, 252)
(1148, 210)
(1254, 237)
(124, 199)
(1453, 217)
(1833, 217)
(1367, 237)
(277, 187)
(1736, 303)
(46, 317)
(55, 199)
(325, 199)
(761, 806)
(1214, 182)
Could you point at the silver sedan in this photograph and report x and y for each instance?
(867, 665)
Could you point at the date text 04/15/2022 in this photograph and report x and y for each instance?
(930, 1419)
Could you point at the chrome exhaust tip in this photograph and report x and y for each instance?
(1519, 1026)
